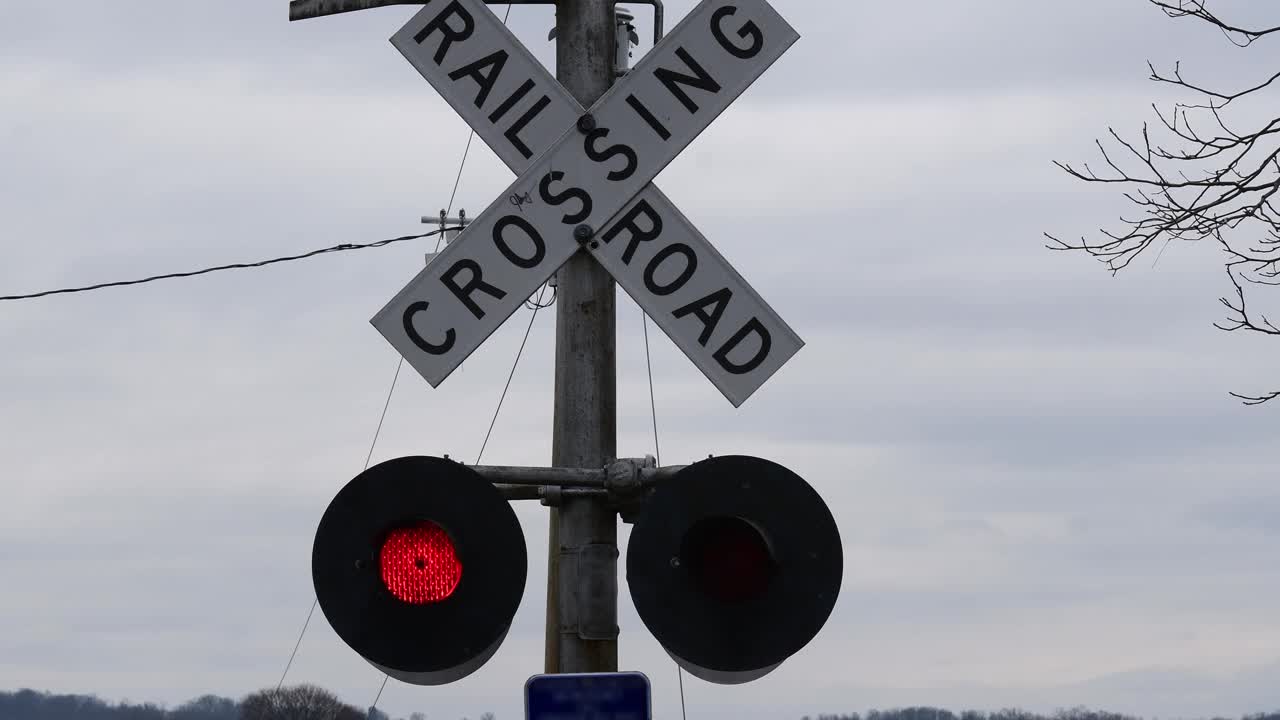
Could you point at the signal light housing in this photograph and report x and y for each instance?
(734, 565)
(419, 565)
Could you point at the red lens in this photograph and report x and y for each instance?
(728, 558)
(419, 564)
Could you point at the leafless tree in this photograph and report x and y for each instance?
(300, 702)
(1207, 169)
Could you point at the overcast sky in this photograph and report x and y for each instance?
(1046, 496)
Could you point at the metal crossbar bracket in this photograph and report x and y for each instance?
(623, 482)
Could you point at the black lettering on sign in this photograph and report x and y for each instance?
(766, 342)
(475, 283)
(500, 240)
(573, 193)
(421, 342)
(602, 156)
(749, 31)
(513, 133)
(650, 270)
(718, 300)
(448, 33)
(646, 115)
(637, 234)
(476, 71)
(510, 102)
(674, 79)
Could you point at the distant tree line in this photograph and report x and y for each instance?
(931, 713)
(32, 705)
(298, 702)
(308, 702)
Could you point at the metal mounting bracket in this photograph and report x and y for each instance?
(625, 483)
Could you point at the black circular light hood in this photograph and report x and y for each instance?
(738, 641)
(428, 644)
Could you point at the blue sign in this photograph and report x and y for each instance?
(589, 696)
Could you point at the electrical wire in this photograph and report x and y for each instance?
(530, 303)
(294, 654)
(653, 407)
(440, 234)
(383, 417)
(467, 150)
(535, 303)
(316, 601)
(377, 432)
(680, 678)
(536, 307)
(457, 180)
(378, 697)
(344, 247)
(657, 456)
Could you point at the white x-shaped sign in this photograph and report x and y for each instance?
(584, 182)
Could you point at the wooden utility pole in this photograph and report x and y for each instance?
(582, 578)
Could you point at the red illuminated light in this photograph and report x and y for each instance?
(419, 564)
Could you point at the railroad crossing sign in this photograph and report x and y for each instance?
(584, 182)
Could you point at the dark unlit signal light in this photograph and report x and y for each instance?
(734, 565)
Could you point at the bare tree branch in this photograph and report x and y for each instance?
(1196, 9)
(1256, 399)
(1203, 173)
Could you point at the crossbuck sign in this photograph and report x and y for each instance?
(584, 183)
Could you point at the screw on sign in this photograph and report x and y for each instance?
(590, 173)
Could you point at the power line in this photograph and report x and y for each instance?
(657, 456)
(653, 407)
(470, 136)
(378, 697)
(385, 405)
(344, 247)
(377, 432)
(537, 305)
(457, 180)
(294, 654)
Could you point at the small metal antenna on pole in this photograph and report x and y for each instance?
(627, 38)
